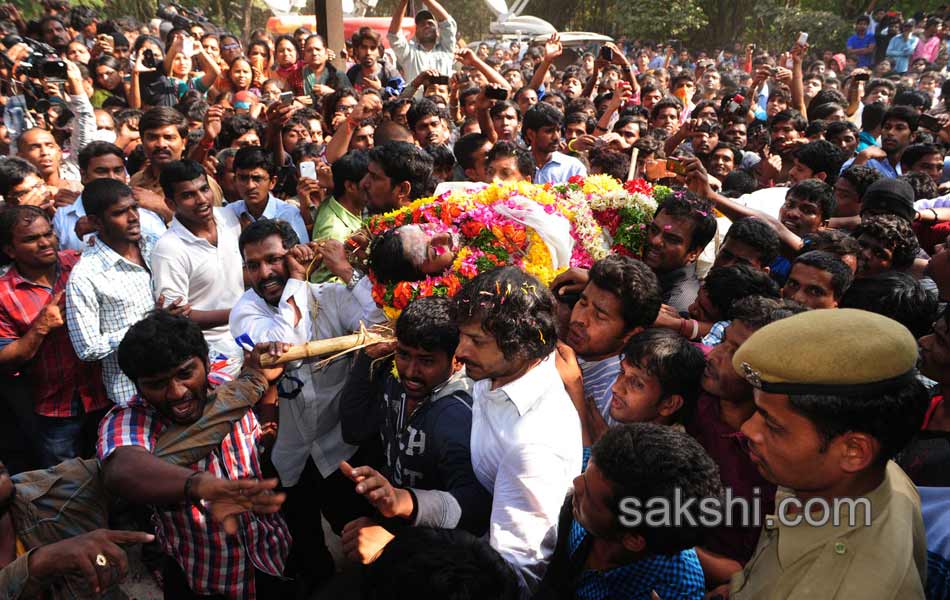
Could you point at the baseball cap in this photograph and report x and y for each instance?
(424, 15)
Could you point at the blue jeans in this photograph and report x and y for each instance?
(62, 438)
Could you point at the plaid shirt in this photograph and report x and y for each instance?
(213, 562)
(62, 384)
(675, 576)
(106, 295)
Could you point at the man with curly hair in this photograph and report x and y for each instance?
(887, 243)
(526, 436)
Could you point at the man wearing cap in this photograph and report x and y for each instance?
(825, 428)
(434, 43)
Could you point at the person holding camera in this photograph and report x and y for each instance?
(434, 44)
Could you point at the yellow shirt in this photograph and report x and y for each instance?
(883, 561)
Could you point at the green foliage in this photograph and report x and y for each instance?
(663, 20)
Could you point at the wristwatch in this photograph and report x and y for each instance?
(355, 279)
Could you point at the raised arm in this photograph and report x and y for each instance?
(552, 49)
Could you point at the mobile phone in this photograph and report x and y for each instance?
(188, 46)
(439, 80)
(393, 84)
(286, 97)
(676, 166)
(148, 59)
(496, 93)
(308, 169)
(862, 77)
(929, 122)
(802, 38)
(606, 53)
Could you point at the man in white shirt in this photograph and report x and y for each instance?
(98, 160)
(255, 177)
(526, 436)
(282, 306)
(434, 43)
(197, 262)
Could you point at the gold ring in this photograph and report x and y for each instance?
(101, 560)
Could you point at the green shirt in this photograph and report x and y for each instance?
(333, 222)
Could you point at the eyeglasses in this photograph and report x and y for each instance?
(230, 46)
(12, 197)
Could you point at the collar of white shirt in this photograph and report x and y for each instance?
(526, 391)
(270, 210)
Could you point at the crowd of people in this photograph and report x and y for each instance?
(182, 206)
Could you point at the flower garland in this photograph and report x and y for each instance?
(488, 239)
(622, 211)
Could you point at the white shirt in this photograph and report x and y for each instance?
(310, 420)
(66, 217)
(767, 200)
(276, 209)
(414, 59)
(526, 450)
(207, 277)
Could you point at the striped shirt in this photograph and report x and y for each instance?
(106, 295)
(213, 562)
(63, 386)
(599, 377)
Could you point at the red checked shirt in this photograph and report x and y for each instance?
(63, 385)
(213, 561)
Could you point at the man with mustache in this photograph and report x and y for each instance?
(111, 286)
(256, 176)
(164, 131)
(897, 132)
(198, 264)
(282, 306)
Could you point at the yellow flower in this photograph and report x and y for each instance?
(600, 184)
(537, 260)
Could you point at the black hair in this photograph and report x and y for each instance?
(100, 194)
(739, 182)
(178, 171)
(541, 115)
(426, 324)
(449, 564)
(13, 171)
(506, 149)
(13, 215)
(95, 150)
(683, 204)
(726, 285)
(442, 157)
(402, 161)
(822, 112)
(756, 312)
(794, 118)
(254, 157)
(647, 461)
(891, 418)
(897, 296)
(163, 116)
(822, 156)
(836, 128)
(915, 152)
(610, 162)
(503, 105)
(827, 96)
(816, 127)
(758, 235)
(514, 307)
(466, 146)
(817, 191)
(841, 274)
(424, 108)
(666, 102)
(388, 261)
(634, 284)
(923, 184)
(896, 234)
(872, 116)
(350, 167)
(834, 241)
(861, 177)
(264, 228)
(675, 361)
(160, 343)
(902, 113)
(235, 126)
(911, 101)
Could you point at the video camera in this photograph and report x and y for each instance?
(181, 17)
(43, 62)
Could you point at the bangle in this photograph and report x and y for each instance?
(599, 128)
(188, 483)
(934, 211)
(570, 146)
(695, 329)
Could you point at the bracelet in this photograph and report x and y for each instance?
(570, 145)
(353, 123)
(188, 484)
(934, 211)
(695, 329)
(599, 128)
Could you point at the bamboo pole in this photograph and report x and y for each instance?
(338, 345)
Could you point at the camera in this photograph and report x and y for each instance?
(43, 62)
(176, 15)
